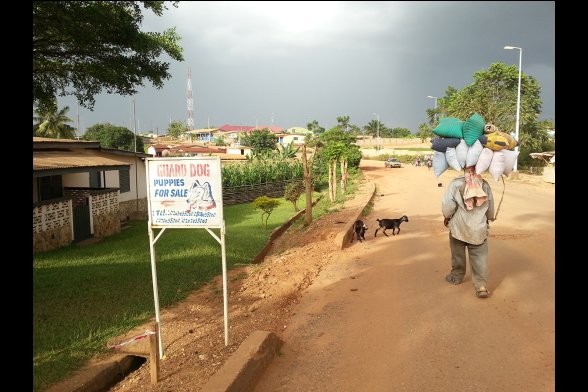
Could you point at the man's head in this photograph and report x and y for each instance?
(469, 170)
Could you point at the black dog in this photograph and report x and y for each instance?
(359, 228)
(390, 224)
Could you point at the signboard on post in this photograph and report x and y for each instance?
(185, 192)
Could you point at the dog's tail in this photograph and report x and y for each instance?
(378, 220)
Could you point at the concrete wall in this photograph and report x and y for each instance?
(52, 239)
(52, 225)
(106, 224)
(128, 209)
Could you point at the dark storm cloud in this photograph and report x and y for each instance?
(320, 60)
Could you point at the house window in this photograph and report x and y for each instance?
(95, 179)
(124, 179)
(295, 138)
(50, 187)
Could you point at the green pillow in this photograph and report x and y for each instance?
(449, 127)
(473, 128)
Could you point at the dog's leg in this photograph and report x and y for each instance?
(376, 233)
(384, 231)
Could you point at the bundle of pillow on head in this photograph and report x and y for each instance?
(472, 142)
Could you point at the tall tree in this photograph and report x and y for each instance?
(493, 95)
(343, 123)
(401, 132)
(51, 122)
(84, 47)
(315, 128)
(424, 132)
(339, 147)
(112, 136)
(374, 127)
(176, 128)
(260, 141)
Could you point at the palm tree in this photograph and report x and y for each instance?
(52, 123)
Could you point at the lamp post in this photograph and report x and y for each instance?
(435, 98)
(518, 101)
(377, 131)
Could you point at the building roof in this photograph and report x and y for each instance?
(58, 162)
(202, 130)
(50, 143)
(235, 128)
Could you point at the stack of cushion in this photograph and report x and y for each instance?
(497, 141)
(449, 127)
(473, 128)
(472, 143)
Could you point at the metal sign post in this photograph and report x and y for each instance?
(185, 193)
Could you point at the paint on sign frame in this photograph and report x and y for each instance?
(185, 192)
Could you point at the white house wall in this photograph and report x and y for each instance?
(75, 180)
(112, 179)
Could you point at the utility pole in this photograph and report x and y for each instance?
(190, 102)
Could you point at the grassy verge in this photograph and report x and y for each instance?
(85, 295)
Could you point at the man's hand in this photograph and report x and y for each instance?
(446, 221)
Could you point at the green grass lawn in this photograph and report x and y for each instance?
(85, 295)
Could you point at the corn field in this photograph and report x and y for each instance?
(258, 172)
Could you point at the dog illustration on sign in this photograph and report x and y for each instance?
(200, 197)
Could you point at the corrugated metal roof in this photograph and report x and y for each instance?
(47, 160)
(44, 143)
(53, 140)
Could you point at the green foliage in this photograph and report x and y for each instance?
(176, 128)
(534, 137)
(293, 191)
(84, 47)
(266, 205)
(260, 140)
(259, 172)
(493, 95)
(424, 132)
(375, 127)
(287, 152)
(315, 128)
(336, 144)
(113, 136)
(51, 122)
(401, 132)
(219, 141)
(85, 295)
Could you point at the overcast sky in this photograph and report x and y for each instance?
(303, 61)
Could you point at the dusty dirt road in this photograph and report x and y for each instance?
(382, 317)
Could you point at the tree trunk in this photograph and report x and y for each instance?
(344, 175)
(330, 183)
(333, 180)
(307, 186)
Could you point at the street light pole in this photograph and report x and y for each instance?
(518, 101)
(377, 131)
(432, 97)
